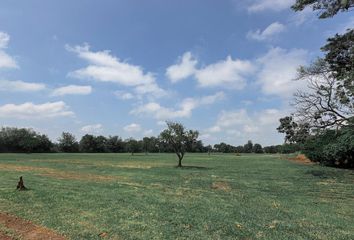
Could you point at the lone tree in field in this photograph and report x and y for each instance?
(178, 138)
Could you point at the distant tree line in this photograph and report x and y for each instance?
(249, 147)
(24, 140)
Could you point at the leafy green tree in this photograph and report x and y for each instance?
(23, 140)
(87, 143)
(257, 148)
(248, 147)
(327, 8)
(271, 149)
(67, 143)
(133, 146)
(209, 149)
(101, 142)
(340, 58)
(178, 138)
(294, 132)
(239, 149)
(114, 144)
(146, 144)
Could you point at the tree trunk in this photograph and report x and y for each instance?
(179, 161)
(20, 185)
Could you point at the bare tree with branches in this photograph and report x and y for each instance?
(319, 106)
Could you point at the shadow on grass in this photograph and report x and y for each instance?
(193, 167)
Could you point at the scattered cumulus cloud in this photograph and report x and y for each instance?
(278, 69)
(30, 110)
(72, 90)
(184, 68)
(20, 86)
(269, 5)
(6, 61)
(184, 109)
(241, 125)
(301, 17)
(92, 129)
(227, 73)
(105, 67)
(123, 95)
(4, 39)
(268, 33)
(133, 128)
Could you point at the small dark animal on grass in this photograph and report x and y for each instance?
(20, 185)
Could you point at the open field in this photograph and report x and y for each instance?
(118, 196)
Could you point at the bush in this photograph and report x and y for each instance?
(332, 148)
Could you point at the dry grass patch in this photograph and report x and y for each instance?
(224, 186)
(59, 174)
(302, 159)
(26, 229)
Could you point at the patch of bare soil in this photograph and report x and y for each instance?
(3, 236)
(224, 186)
(302, 159)
(26, 229)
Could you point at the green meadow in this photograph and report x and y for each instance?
(221, 196)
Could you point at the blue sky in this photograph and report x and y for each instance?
(123, 68)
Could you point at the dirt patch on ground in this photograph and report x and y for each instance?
(12, 167)
(26, 229)
(138, 165)
(76, 176)
(3, 236)
(224, 186)
(302, 159)
(59, 174)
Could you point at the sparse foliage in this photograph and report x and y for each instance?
(327, 8)
(318, 106)
(67, 143)
(178, 138)
(340, 58)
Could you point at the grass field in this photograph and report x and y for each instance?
(118, 196)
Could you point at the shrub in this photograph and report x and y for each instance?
(332, 148)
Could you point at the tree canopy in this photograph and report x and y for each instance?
(326, 8)
(179, 139)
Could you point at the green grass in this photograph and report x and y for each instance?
(146, 197)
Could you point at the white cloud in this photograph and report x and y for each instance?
(300, 17)
(124, 95)
(6, 61)
(134, 127)
(278, 69)
(93, 129)
(184, 68)
(149, 133)
(30, 110)
(72, 90)
(268, 33)
(105, 67)
(272, 5)
(241, 125)
(185, 108)
(20, 86)
(227, 73)
(4, 39)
